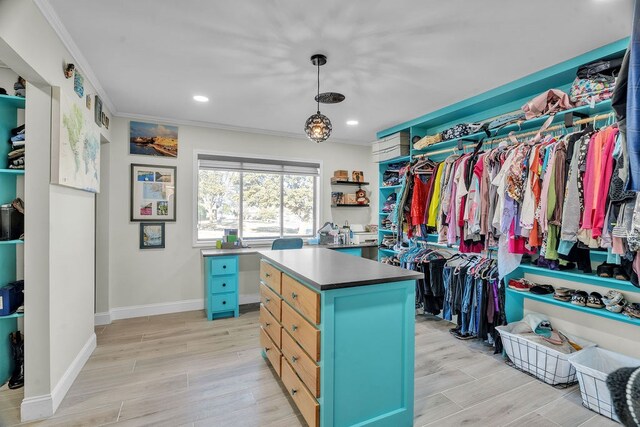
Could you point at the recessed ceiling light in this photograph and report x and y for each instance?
(200, 98)
(352, 122)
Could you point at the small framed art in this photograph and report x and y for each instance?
(152, 235)
(153, 193)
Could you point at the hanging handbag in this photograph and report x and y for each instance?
(549, 102)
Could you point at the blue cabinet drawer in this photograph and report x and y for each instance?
(223, 265)
(220, 284)
(224, 302)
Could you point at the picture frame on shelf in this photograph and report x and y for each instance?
(152, 235)
(153, 193)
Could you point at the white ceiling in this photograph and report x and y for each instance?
(394, 60)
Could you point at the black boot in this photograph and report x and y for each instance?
(17, 350)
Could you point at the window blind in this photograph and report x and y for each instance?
(248, 164)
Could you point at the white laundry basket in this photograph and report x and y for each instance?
(593, 367)
(544, 363)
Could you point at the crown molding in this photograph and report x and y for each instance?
(81, 62)
(231, 128)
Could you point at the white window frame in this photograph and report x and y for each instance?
(255, 242)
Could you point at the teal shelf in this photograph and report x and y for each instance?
(384, 213)
(396, 160)
(391, 251)
(532, 124)
(12, 101)
(12, 171)
(391, 187)
(387, 231)
(12, 316)
(581, 278)
(548, 299)
(11, 242)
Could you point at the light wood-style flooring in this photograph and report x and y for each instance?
(182, 370)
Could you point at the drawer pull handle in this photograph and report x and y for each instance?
(224, 302)
(267, 324)
(294, 328)
(267, 300)
(224, 266)
(294, 359)
(224, 285)
(294, 295)
(293, 391)
(267, 349)
(267, 275)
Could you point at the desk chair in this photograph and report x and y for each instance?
(290, 243)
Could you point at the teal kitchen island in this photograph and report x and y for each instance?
(339, 332)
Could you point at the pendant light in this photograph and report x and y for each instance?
(318, 126)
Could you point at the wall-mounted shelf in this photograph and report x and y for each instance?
(12, 171)
(548, 299)
(12, 101)
(358, 184)
(12, 316)
(349, 206)
(580, 278)
(11, 242)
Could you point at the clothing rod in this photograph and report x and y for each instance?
(506, 137)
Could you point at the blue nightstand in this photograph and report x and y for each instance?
(221, 283)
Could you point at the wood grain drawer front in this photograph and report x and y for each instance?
(308, 406)
(271, 276)
(302, 331)
(271, 300)
(304, 366)
(272, 352)
(302, 298)
(224, 265)
(271, 325)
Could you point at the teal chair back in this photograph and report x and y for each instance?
(290, 243)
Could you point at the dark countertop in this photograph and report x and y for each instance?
(246, 251)
(325, 269)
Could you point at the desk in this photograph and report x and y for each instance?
(227, 272)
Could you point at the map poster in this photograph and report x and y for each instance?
(75, 148)
(153, 193)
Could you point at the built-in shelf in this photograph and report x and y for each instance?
(384, 213)
(12, 316)
(12, 101)
(387, 250)
(383, 231)
(580, 278)
(391, 187)
(396, 160)
(349, 206)
(11, 242)
(548, 299)
(358, 184)
(12, 171)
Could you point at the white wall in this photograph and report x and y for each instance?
(7, 78)
(59, 228)
(142, 277)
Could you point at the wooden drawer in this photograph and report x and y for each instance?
(302, 331)
(271, 300)
(224, 284)
(308, 406)
(271, 325)
(224, 302)
(304, 366)
(302, 298)
(271, 276)
(223, 265)
(272, 352)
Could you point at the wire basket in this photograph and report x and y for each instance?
(542, 362)
(593, 366)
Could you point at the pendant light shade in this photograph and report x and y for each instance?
(318, 126)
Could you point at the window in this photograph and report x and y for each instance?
(264, 199)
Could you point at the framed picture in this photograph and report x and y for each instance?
(152, 235)
(153, 193)
(97, 111)
(153, 139)
(78, 84)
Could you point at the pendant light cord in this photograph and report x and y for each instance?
(318, 97)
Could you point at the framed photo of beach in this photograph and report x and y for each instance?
(153, 193)
(152, 235)
(153, 139)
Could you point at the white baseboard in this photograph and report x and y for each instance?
(106, 318)
(154, 309)
(103, 319)
(38, 407)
